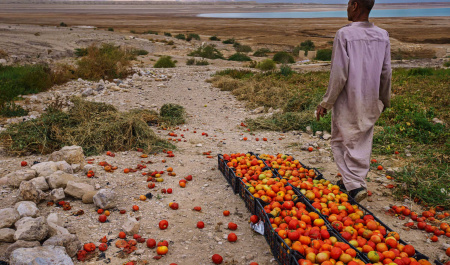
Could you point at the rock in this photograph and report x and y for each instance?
(64, 166)
(7, 235)
(326, 136)
(15, 178)
(436, 120)
(88, 197)
(131, 226)
(54, 219)
(45, 168)
(29, 192)
(21, 244)
(57, 195)
(31, 229)
(105, 199)
(40, 256)
(305, 147)
(54, 230)
(76, 167)
(89, 167)
(26, 209)
(70, 242)
(319, 133)
(8, 217)
(258, 110)
(3, 180)
(77, 189)
(59, 179)
(71, 154)
(40, 183)
(3, 61)
(87, 92)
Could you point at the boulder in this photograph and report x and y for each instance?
(26, 209)
(105, 199)
(31, 229)
(59, 179)
(70, 154)
(77, 189)
(40, 183)
(131, 226)
(70, 242)
(21, 244)
(88, 197)
(45, 168)
(40, 255)
(57, 195)
(29, 192)
(64, 166)
(53, 218)
(7, 235)
(15, 178)
(76, 167)
(89, 167)
(54, 230)
(8, 217)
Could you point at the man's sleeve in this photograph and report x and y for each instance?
(339, 71)
(385, 78)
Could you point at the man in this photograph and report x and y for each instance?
(358, 91)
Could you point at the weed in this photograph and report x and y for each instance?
(208, 51)
(252, 64)
(420, 71)
(266, 65)
(151, 32)
(172, 114)
(214, 38)
(110, 29)
(170, 42)
(11, 109)
(261, 52)
(415, 53)
(133, 31)
(202, 62)
(239, 57)
(243, 48)
(235, 73)
(190, 61)
(3, 54)
(62, 24)
(80, 52)
(139, 52)
(62, 73)
(286, 70)
(167, 34)
(283, 57)
(192, 36)
(180, 36)
(229, 41)
(446, 64)
(324, 55)
(164, 62)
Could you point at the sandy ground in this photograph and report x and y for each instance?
(217, 113)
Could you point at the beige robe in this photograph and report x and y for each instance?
(358, 91)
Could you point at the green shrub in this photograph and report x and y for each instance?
(62, 24)
(151, 32)
(239, 57)
(105, 62)
(286, 70)
(214, 38)
(420, 71)
(133, 31)
(252, 64)
(324, 55)
(167, 34)
(235, 73)
(164, 62)
(208, 51)
(170, 42)
(180, 36)
(139, 52)
(110, 29)
(243, 48)
(190, 61)
(266, 65)
(447, 64)
(261, 52)
(192, 36)
(80, 52)
(283, 57)
(172, 114)
(307, 46)
(11, 109)
(202, 62)
(229, 41)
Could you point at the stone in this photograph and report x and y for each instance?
(57, 195)
(89, 167)
(7, 235)
(3, 61)
(45, 168)
(77, 189)
(59, 179)
(76, 167)
(8, 217)
(71, 154)
(319, 133)
(105, 199)
(40, 183)
(64, 166)
(308, 130)
(31, 229)
(131, 226)
(70, 242)
(87, 92)
(3, 180)
(437, 121)
(54, 219)
(15, 178)
(29, 192)
(26, 209)
(40, 256)
(258, 110)
(88, 197)
(21, 244)
(326, 136)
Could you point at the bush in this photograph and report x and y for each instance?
(235, 73)
(307, 46)
(62, 24)
(286, 70)
(80, 52)
(261, 52)
(283, 57)
(172, 114)
(10, 109)
(229, 41)
(266, 65)
(208, 51)
(170, 42)
(214, 38)
(139, 52)
(190, 61)
(180, 36)
(167, 34)
(105, 62)
(97, 127)
(243, 48)
(447, 64)
(164, 62)
(151, 32)
(110, 29)
(239, 57)
(324, 55)
(202, 62)
(191, 36)
(420, 72)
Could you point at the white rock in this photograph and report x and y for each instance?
(29, 192)
(57, 195)
(105, 199)
(45, 168)
(7, 235)
(26, 209)
(40, 255)
(53, 218)
(70, 242)
(71, 154)
(8, 217)
(21, 244)
(59, 179)
(131, 226)
(65, 167)
(76, 167)
(77, 189)
(40, 183)
(31, 229)
(89, 167)
(87, 92)
(16, 177)
(326, 136)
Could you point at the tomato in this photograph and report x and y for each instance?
(100, 211)
(102, 218)
(122, 211)
(163, 243)
(254, 219)
(135, 208)
(103, 247)
(197, 208)
(188, 178)
(89, 247)
(232, 237)
(217, 259)
(23, 163)
(151, 243)
(200, 225)
(163, 224)
(169, 190)
(122, 235)
(232, 226)
(226, 213)
(162, 250)
(81, 255)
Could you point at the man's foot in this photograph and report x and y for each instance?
(358, 194)
(341, 185)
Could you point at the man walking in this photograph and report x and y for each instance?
(358, 91)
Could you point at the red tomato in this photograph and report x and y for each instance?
(163, 224)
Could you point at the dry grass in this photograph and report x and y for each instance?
(3, 54)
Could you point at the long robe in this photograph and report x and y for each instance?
(358, 91)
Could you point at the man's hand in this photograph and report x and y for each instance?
(321, 111)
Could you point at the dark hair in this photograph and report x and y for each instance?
(366, 4)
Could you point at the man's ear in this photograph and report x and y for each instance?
(355, 5)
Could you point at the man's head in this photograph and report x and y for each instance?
(358, 10)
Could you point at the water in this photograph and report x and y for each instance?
(421, 12)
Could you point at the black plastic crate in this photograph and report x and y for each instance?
(222, 163)
(418, 256)
(236, 183)
(249, 200)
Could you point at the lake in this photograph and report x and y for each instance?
(420, 12)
